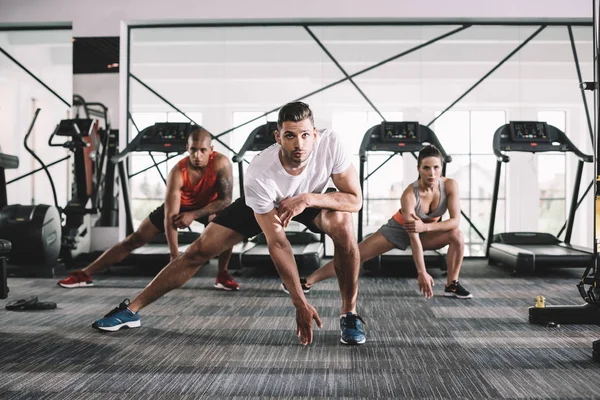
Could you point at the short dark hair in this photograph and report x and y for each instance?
(198, 133)
(295, 112)
(429, 151)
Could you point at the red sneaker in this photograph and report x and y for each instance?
(76, 279)
(226, 282)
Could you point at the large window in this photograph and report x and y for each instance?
(552, 180)
(381, 196)
(467, 137)
(345, 71)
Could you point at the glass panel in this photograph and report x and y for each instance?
(378, 212)
(552, 215)
(352, 125)
(551, 176)
(459, 170)
(556, 118)
(480, 216)
(452, 129)
(145, 119)
(388, 181)
(483, 126)
(48, 54)
(178, 117)
(483, 171)
(373, 117)
(141, 208)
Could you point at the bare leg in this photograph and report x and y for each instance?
(224, 260)
(371, 247)
(214, 240)
(145, 232)
(346, 259)
(456, 248)
(224, 256)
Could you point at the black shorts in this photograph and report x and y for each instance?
(157, 217)
(240, 218)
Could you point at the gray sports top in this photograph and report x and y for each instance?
(441, 208)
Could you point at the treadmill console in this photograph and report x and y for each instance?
(529, 131)
(66, 127)
(400, 132)
(165, 137)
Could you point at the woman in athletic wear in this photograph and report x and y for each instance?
(418, 224)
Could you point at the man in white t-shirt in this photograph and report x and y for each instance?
(285, 182)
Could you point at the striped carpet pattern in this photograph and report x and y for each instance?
(198, 342)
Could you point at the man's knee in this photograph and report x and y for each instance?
(134, 241)
(339, 225)
(198, 252)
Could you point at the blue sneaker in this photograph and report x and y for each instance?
(119, 317)
(352, 329)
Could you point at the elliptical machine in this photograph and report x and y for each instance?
(65, 232)
(33, 230)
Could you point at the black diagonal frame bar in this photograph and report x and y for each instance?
(154, 92)
(379, 64)
(490, 72)
(580, 79)
(14, 60)
(337, 64)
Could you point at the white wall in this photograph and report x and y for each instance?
(102, 18)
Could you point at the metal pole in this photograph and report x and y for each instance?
(494, 205)
(126, 198)
(573, 207)
(580, 79)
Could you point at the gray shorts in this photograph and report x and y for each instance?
(395, 234)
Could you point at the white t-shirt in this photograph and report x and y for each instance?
(267, 183)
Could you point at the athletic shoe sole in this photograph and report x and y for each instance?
(222, 287)
(75, 285)
(282, 286)
(130, 324)
(446, 294)
(353, 342)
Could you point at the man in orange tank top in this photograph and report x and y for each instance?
(198, 187)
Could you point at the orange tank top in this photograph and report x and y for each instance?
(205, 190)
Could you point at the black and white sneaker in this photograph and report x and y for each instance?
(456, 290)
(305, 289)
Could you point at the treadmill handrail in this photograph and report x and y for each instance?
(8, 162)
(496, 144)
(239, 157)
(117, 158)
(433, 139)
(562, 136)
(133, 146)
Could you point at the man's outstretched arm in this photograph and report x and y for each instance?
(283, 258)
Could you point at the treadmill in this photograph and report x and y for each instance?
(162, 137)
(308, 247)
(527, 252)
(397, 138)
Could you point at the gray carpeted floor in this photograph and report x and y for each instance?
(201, 343)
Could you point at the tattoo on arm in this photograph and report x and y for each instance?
(224, 193)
